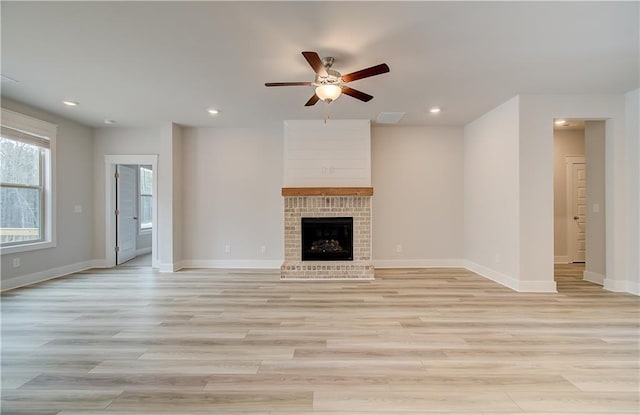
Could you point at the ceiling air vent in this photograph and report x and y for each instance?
(390, 117)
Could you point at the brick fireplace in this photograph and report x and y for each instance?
(320, 202)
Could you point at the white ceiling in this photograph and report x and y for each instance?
(148, 63)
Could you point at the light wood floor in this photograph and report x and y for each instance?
(143, 260)
(129, 341)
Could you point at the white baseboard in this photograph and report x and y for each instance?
(617, 286)
(593, 277)
(630, 287)
(48, 274)
(510, 282)
(493, 275)
(418, 263)
(100, 263)
(143, 251)
(561, 259)
(633, 288)
(170, 267)
(220, 263)
(233, 263)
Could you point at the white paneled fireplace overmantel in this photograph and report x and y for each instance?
(327, 179)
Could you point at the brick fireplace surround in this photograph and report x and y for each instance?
(317, 202)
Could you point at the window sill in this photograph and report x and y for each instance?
(26, 247)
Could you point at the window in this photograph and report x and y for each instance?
(26, 193)
(146, 198)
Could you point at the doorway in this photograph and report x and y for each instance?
(131, 210)
(579, 233)
(133, 214)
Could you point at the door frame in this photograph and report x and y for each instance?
(110, 162)
(569, 162)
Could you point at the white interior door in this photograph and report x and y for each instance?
(577, 211)
(126, 213)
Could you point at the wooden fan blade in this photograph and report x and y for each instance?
(287, 84)
(312, 101)
(365, 73)
(357, 94)
(316, 63)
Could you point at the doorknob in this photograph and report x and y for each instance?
(576, 218)
(136, 218)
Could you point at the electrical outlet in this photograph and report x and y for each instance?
(263, 249)
(16, 262)
(77, 208)
(398, 248)
(227, 248)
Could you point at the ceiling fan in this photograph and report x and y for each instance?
(329, 83)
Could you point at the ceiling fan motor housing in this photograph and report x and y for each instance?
(327, 61)
(333, 77)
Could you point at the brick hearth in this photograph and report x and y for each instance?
(297, 207)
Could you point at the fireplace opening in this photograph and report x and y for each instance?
(327, 239)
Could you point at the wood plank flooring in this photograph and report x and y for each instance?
(429, 341)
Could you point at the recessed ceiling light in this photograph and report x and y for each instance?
(108, 121)
(213, 111)
(560, 122)
(70, 103)
(434, 110)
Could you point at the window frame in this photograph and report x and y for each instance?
(40, 187)
(39, 128)
(147, 229)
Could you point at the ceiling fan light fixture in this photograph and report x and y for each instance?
(330, 84)
(328, 92)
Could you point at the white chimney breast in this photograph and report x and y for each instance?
(335, 153)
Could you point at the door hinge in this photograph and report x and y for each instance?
(117, 249)
(117, 175)
(117, 212)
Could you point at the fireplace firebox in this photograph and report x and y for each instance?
(327, 239)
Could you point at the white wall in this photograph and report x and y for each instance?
(491, 194)
(417, 175)
(232, 181)
(595, 255)
(565, 143)
(632, 127)
(74, 146)
(169, 198)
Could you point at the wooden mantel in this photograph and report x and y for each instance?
(327, 191)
